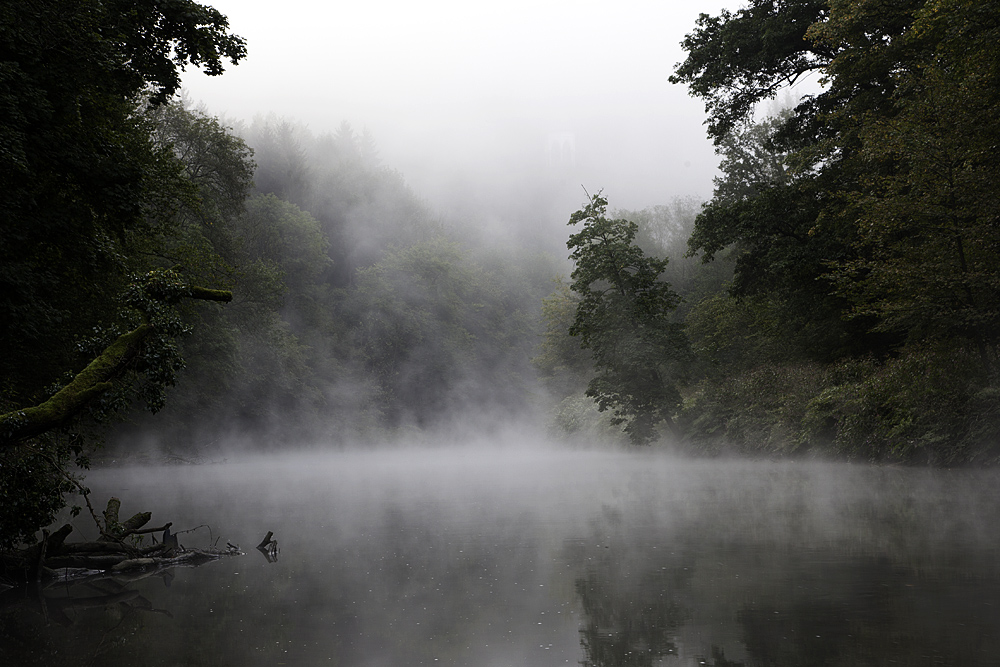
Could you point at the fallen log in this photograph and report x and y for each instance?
(57, 538)
(95, 547)
(134, 564)
(109, 553)
(146, 531)
(135, 522)
(91, 562)
(188, 557)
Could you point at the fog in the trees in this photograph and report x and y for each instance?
(493, 114)
(415, 135)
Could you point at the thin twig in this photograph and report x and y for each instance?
(84, 491)
(191, 530)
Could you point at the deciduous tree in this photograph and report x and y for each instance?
(623, 318)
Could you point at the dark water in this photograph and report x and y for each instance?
(454, 557)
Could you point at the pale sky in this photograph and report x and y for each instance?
(477, 103)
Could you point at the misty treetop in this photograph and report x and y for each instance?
(417, 325)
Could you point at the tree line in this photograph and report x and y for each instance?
(860, 227)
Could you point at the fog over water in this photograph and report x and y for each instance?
(533, 555)
(475, 540)
(493, 111)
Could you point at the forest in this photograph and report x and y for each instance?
(174, 283)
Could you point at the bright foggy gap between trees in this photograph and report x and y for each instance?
(370, 315)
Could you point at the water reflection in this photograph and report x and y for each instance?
(86, 618)
(268, 547)
(600, 559)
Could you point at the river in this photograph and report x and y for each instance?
(523, 557)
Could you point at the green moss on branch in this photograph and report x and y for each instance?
(90, 383)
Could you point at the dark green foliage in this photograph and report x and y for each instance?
(32, 488)
(563, 362)
(623, 318)
(778, 204)
(928, 207)
(82, 183)
(86, 194)
(930, 405)
(764, 218)
(756, 410)
(738, 59)
(731, 335)
(927, 406)
(863, 227)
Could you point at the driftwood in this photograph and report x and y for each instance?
(113, 552)
(92, 558)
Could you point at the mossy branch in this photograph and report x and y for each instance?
(91, 382)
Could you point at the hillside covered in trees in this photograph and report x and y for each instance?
(171, 282)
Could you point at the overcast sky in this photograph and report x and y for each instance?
(476, 103)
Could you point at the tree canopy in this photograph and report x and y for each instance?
(622, 318)
(84, 183)
(865, 216)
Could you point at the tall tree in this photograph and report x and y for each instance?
(82, 182)
(889, 206)
(622, 317)
(788, 231)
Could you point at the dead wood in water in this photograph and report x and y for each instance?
(269, 547)
(111, 553)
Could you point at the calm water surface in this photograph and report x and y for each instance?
(458, 557)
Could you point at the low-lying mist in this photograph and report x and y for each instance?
(515, 550)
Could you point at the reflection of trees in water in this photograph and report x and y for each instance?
(628, 594)
(626, 627)
(704, 586)
(75, 622)
(871, 611)
(806, 634)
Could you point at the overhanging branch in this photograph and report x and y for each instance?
(91, 382)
